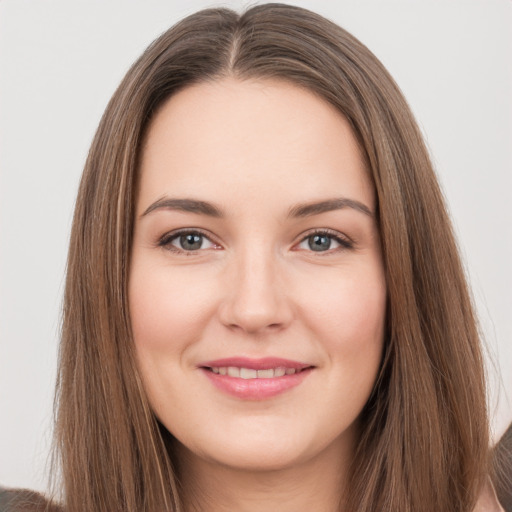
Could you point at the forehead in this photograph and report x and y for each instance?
(251, 138)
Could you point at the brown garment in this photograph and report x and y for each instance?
(24, 500)
(502, 459)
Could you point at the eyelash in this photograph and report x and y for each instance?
(166, 240)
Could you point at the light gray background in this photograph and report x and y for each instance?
(60, 61)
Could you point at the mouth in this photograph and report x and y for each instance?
(250, 373)
(255, 379)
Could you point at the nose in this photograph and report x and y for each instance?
(255, 299)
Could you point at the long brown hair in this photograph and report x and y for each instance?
(424, 438)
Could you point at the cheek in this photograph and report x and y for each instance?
(167, 309)
(350, 306)
(352, 330)
(347, 316)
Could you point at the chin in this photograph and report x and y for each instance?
(255, 460)
(261, 457)
(262, 451)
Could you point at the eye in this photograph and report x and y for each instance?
(186, 241)
(324, 241)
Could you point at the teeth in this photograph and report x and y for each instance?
(233, 371)
(266, 374)
(249, 373)
(246, 373)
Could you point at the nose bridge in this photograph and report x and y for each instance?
(255, 300)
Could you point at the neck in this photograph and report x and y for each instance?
(317, 484)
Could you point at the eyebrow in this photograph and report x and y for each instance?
(299, 210)
(185, 205)
(309, 209)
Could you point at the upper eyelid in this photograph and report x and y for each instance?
(333, 233)
(181, 231)
(327, 231)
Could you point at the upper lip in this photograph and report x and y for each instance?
(255, 364)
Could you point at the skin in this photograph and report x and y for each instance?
(255, 288)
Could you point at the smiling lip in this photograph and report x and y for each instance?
(255, 379)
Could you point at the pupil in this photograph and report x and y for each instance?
(319, 242)
(191, 242)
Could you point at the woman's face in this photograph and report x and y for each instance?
(257, 291)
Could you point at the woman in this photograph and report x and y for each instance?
(264, 304)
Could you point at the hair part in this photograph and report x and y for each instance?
(424, 437)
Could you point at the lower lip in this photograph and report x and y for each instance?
(256, 389)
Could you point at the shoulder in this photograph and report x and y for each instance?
(24, 500)
(487, 501)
